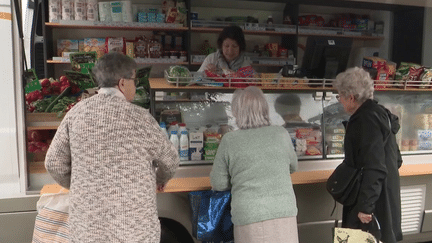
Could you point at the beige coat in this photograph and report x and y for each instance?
(105, 151)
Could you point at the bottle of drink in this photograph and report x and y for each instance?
(175, 140)
(163, 129)
(184, 146)
(182, 127)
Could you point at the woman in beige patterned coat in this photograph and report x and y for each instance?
(105, 151)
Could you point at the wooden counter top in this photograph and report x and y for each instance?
(302, 177)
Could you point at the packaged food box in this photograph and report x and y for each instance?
(116, 44)
(374, 62)
(335, 130)
(424, 145)
(95, 44)
(424, 135)
(335, 137)
(67, 45)
(196, 145)
(269, 79)
(335, 151)
(333, 144)
(196, 139)
(292, 82)
(196, 153)
(210, 149)
(169, 116)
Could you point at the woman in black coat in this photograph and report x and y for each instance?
(370, 143)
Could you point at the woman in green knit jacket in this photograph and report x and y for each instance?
(255, 163)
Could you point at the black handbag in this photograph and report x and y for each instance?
(344, 184)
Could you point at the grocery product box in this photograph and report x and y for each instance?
(196, 139)
(374, 62)
(210, 148)
(67, 45)
(424, 135)
(196, 145)
(95, 44)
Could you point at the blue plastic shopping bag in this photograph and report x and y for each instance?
(211, 216)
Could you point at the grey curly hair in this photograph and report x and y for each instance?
(355, 81)
(110, 68)
(250, 108)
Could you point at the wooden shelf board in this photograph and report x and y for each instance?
(146, 63)
(246, 32)
(42, 121)
(67, 26)
(359, 37)
(36, 167)
(160, 84)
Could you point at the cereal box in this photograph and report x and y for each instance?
(66, 45)
(95, 44)
(374, 62)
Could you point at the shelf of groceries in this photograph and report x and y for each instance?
(206, 26)
(274, 81)
(85, 24)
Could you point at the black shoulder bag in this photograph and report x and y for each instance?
(345, 181)
(344, 184)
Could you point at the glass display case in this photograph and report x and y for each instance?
(313, 118)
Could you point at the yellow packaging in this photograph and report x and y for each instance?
(130, 50)
(292, 83)
(269, 79)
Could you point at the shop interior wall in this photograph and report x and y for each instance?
(427, 37)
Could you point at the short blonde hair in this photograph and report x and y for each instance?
(250, 108)
(355, 81)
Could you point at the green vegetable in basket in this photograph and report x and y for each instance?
(41, 105)
(141, 98)
(180, 73)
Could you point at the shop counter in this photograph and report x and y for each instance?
(302, 177)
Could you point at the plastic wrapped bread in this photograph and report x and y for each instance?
(116, 12)
(105, 11)
(80, 9)
(92, 10)
(127, 14)
(55, 11)
(67, 10)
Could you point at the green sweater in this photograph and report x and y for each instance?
(256, 165)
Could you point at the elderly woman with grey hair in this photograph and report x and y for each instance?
(255, 163)
(105, 151)
(370, 143)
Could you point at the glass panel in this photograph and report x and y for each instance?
(299, 113)
(415, 116)
(334, 115)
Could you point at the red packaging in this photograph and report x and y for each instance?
(382, 78)
(374, 62)
(272, 48)
(303, 132)
(414, 74)
(243, 73)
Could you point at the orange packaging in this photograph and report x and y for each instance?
(292, 83)
(269, 79)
